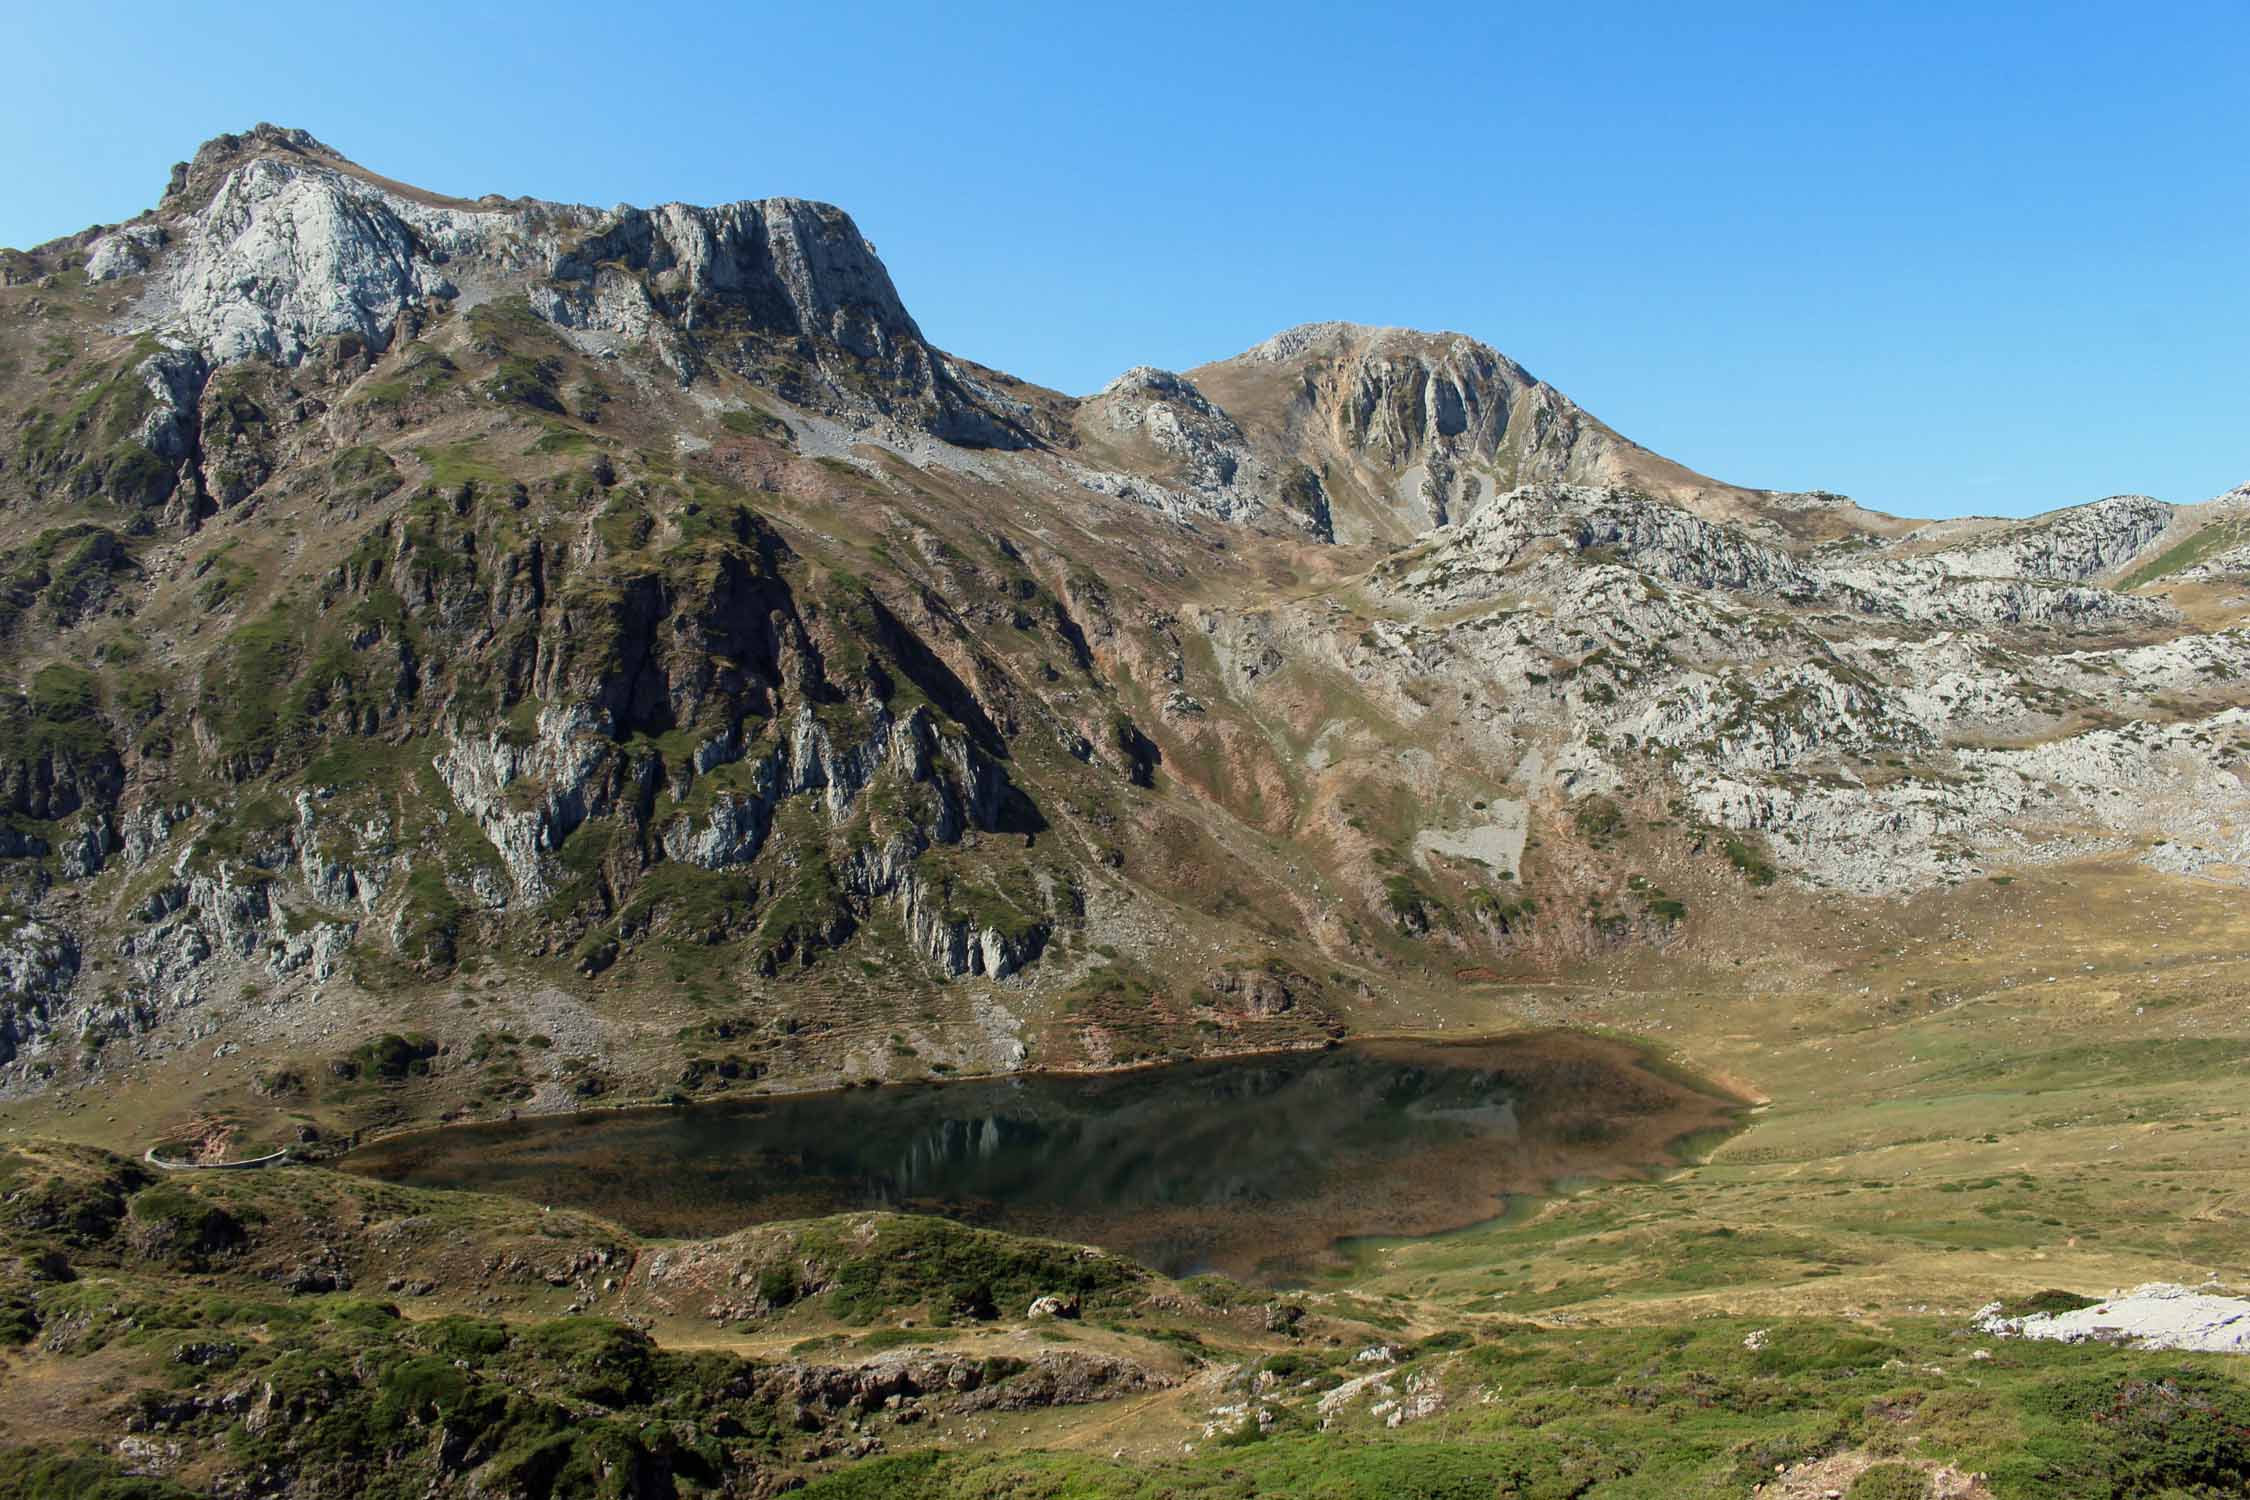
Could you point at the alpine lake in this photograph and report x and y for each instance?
(1269, 1168)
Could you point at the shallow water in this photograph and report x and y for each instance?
(1252, 1166)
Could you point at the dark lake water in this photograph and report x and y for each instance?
(1252, 1166)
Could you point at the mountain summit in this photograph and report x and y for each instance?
(499, 618)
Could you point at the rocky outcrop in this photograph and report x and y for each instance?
(287, 254)
(570, 768)
(965, 787)
(1484, 558)
(2077, 545)
(1175, 418)
(125, 251)
(949, 787)
(795, 268)
(1160, 419)
(1053, 1377)
(1662, 540)
(2154, 1315)
(693, 281)
(996, 942)
(38, 964)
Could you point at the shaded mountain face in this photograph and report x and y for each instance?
(623, 629)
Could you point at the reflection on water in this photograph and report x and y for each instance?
(1252, 1166)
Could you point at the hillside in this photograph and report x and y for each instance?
(474, 620)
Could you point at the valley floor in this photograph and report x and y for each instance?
(2039, 1091)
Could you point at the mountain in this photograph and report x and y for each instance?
(614, 652)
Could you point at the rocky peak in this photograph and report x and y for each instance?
(270, 243)
(287, 252)
(1430, 425)
(1150, 381)
(1327, 338)
(1402, 397)
(193, 181)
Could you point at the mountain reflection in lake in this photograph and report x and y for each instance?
(1252, 1166)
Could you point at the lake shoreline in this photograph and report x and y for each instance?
(1648, 1052)
(1255, 1164)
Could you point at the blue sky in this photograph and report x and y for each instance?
(1945, 258)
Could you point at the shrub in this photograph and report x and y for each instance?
(173, 1225)
(390, 1058)
(2044, 1303)
(1598, 819)
(1751, 861)
(55, 1476)
(777, 1285)
(2096, 1434)
(972, 1299)
(473, 1339)
(1890, 1482)
(604, 1361)
(913, 1259)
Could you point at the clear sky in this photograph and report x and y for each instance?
(1946, 258)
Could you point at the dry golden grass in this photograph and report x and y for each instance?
(2039, 1088)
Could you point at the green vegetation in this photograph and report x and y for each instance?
(430, 925)
(244, 696)
(1656, 902)
(1113, 985)
(360, 476)
(1651, 1412)
(2213, 539)
(389, 1058)
(63, 694)
(39, 1475)
(754, 422)
(90, 447)
(62, 575)
(886, 1263)
(1890, 1482)
(1503, 914)
(1597, 819)
(526, 382)
(803, 921)
(177, 1227)
(421, 372)
(59, 716)
(1744, 853)
(225, 580)
(689, 904)
(1415, 911)
(455, 465)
